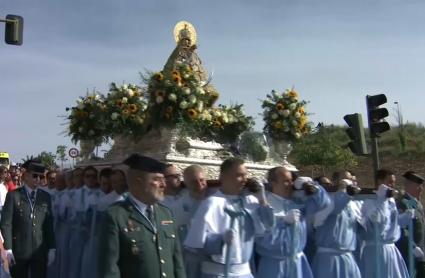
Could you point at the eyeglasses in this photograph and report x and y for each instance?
(41, 177)
(175, 176)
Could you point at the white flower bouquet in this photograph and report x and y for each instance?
(284, 116)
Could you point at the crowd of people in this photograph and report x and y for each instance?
(152, 221)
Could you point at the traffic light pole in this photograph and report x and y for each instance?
(8, 20)
(375, 154)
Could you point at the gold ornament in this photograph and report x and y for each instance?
(184, 29)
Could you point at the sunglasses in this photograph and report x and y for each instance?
(41, 177)
(175, 176)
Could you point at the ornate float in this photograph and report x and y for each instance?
(174, 119)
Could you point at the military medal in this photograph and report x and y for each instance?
(134, 249)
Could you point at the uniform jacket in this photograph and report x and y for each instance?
(27, 238)
(129, 248)
(404, 203)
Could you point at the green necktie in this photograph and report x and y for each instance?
(150, 215)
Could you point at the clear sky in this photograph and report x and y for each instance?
(333, 52)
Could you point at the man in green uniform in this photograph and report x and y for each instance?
(138, 237)
(410, 200)
(27, 226)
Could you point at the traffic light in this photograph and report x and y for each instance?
(14, 28)
(356, 133)
(376, 115)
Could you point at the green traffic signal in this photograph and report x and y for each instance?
(14, 29)
(355, 132)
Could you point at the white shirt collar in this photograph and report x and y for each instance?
(141, 205)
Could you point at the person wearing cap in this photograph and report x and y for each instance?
(410, 200)
(27, 226)
(138, 236)
(282, 252)
(336, 234)
(383, 222)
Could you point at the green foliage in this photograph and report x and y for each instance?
(61, 154)
(47, 158)
(27, 158)
(406, 141)
(321, 149)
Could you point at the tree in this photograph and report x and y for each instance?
(61, 154)
(324, 152)
(47, 158)
(27, 158)
(401, 127)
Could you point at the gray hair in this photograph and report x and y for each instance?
(192, 169)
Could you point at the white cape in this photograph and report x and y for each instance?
(107, 200)
(211, 218)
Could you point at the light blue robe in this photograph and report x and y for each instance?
(63, 228)
(212, 222)
(336, 239)
(170, 199)
(79, 232)
(183, 211)
(95, 211)
(282, 251)
(391, 261)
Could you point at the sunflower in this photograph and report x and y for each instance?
(185, 84)
(120, 103)
(187, 68)
(279, 106)
(158, 76)
(160, 93)
(292, 93)
(177, 79)
(132, 108)
(192, 113)
(169, 110)
(125, 111)
(89, 96)
(300, 110)
(278, 125)
(132, 117)
(216, 122)
(175, 73)
(303, 120)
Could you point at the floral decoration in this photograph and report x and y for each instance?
(284, 116)
(176, 98)
(87, 120)
(126, 109)
(226, 123)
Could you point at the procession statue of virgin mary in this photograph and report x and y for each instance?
(185, 50)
